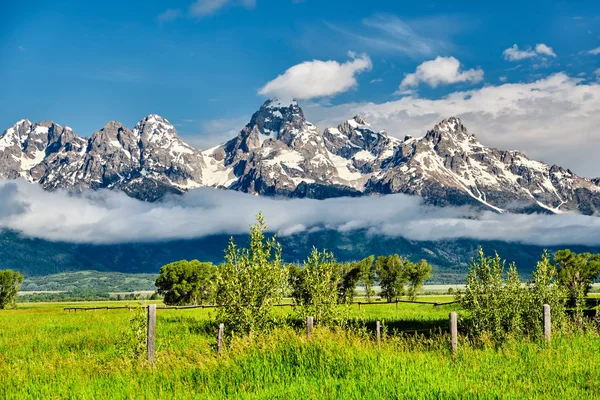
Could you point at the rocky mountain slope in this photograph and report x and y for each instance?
(279, 152)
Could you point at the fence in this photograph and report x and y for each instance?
(453, 325)
(359, 303)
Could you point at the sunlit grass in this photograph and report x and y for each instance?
(46, 352)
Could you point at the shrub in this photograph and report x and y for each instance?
(501, 307)
(544, 289)
(494, 306)
(316, 293)
(249, 282)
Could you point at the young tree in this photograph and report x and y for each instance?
(576, 272)
(544, 289)
(186, 282)
(415, 275)
(392, 276)
(484, 295)
(318, 294)
(250, 281)
(10, 282)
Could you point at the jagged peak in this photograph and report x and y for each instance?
(113, 124)
(360, 120)
(155, 118)
(279, 103)
(451, 127)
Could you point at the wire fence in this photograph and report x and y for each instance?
(165, 307)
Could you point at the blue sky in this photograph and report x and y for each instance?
(201, 64)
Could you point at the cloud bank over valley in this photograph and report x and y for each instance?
(107, 217)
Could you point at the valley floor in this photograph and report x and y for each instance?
(46, 352)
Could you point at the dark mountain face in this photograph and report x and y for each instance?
(35, 257)
(280, 153)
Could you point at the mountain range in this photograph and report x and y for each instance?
(280, 153)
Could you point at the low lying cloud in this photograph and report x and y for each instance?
(441, 71)
(112, 217)
(317, 78)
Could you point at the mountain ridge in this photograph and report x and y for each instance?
(280, 153)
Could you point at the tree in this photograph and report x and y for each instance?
(250, 281)
(353, 273)
(416, 274)
(576, 272)
(392, 276)
(186, 282)
(317, 293)
(543, 289)
(10, 282)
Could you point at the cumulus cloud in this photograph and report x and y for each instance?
(595, 51)
(112, 217)
(442, 70)
(541, 48)
(317, 78)
(554, 119)
(515, 54)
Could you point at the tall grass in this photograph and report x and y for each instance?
(48, 353)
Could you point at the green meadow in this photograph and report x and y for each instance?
(46, 352)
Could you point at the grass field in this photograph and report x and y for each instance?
(46, 352)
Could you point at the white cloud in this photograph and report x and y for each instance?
(169, 15)
(112, 217)
(201, 8)
(317, 78)
(442, 70)
(515, 54)
(541, 48)
(595, 51)
(554, 119)
(385, 33)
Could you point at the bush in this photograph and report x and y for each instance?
(186, 282)
(501, 307)
(249, 282)
(315, 287)
(10, 282)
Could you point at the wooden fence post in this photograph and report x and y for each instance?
(220, 339)
(359, 305)
(547, 323)
(378, 329)
(396, 304)
(453, 332)
(309, 326)
(151, 331)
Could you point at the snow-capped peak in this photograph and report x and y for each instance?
(360, 120)
(280, 103)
